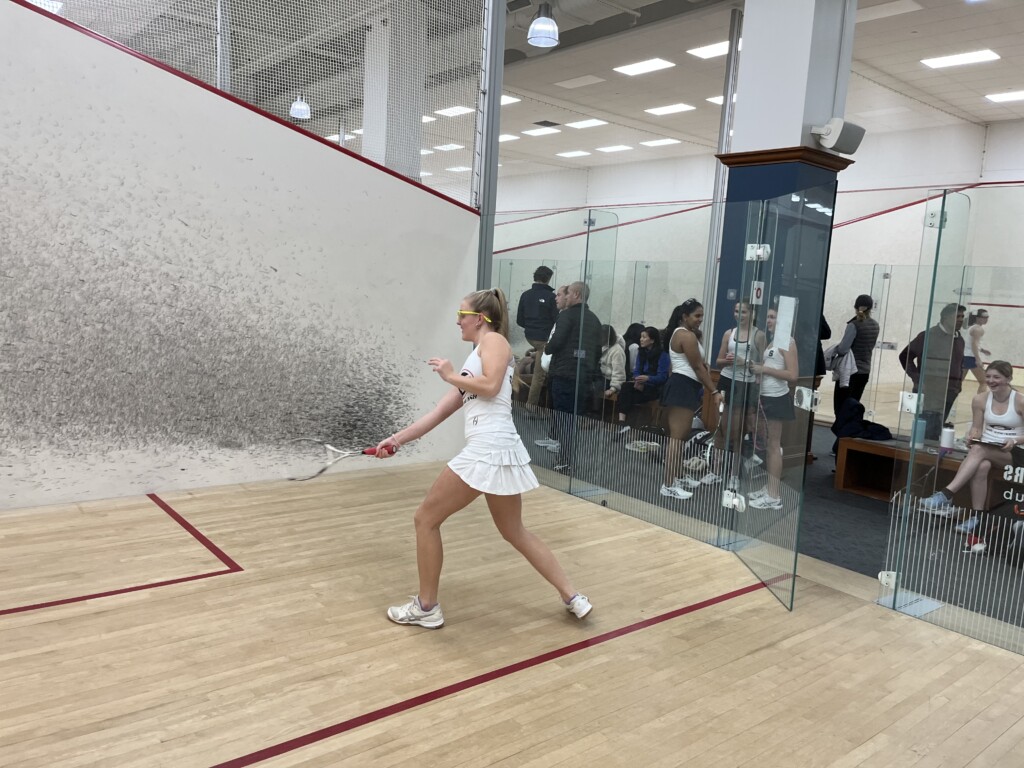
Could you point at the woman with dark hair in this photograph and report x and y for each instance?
(741, 346)
(996, 430)
(494, 462)
(631, 340)
(860, 337)
(973, 362)
(649, 375)
(685, 388)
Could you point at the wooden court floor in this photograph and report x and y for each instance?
(245, 625)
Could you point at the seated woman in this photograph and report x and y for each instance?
(613, 362)
(997, 429)
(649, 375)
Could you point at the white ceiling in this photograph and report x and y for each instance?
(889, 89)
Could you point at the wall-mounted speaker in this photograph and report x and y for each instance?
(839, 135)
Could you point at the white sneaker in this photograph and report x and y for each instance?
(766, 502)
(556, 448)
(686, 482)
(412, 613)
(711, 479)
(545, 442)
(579, 606)
(638, 446)
(674, 492)
(757, 494)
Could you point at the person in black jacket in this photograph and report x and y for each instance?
(536, 316)
(575, 349)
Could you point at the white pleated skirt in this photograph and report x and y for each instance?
(497, 464)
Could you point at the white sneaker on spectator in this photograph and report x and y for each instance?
(757, 494)
(545, 442)
(686, 482)
(675, 493)
(554, 448)
(766, 502)
(711, 479)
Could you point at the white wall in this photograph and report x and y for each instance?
(187, 285)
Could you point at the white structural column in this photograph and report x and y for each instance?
(393, 88)
(793, 72)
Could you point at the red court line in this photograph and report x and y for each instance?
(472, 682)
(232, 567)
(207, 87)
(600, 229)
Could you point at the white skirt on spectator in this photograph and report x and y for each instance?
(496, 464)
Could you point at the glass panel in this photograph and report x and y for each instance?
(933, 362)
(768, 370)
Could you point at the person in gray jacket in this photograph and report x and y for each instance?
(575, 349)
(536, 316)
(860, 337)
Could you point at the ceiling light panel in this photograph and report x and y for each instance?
(999, 98)
(541, 131)
(459, 168)
(710, 51)
(579, 82)
(453, 111)
(591, 123)
(505, 99)
(614, 148)
(508, 137)
(449, 147)
(428, 119)
(574, 153)
(671, 109)
(973, 57)
(660, 142)
(643, 67)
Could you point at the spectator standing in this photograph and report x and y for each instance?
(536, 316)
(575, 349)
(941, 370)
(860, 337)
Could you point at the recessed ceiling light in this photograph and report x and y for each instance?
(660, 142)
(428, 119)
(956, 60)
(425, 173)
(579, 82)
(642, 67)
(541, 131)
(426, 151)
(453, 111)
(508, 99)
(671, 109)
(574, 153)
(710, 51)
(719, 100)
(591, 123)
(1009, 96)
(508, 137)
(449, 147)
(358, 131)
(334, 137)
(459, 169)
(615, 148)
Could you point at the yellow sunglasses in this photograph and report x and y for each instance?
(463, 312)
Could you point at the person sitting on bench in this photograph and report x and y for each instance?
(997, 429)
(649, 375)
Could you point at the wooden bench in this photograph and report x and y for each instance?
(877, 468)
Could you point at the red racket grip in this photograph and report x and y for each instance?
(373, 451)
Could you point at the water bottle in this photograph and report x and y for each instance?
(920, 426)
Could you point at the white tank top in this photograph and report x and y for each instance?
(770, 385)
(1004, 426)
(680, 362)
(487, 415)
(739, 349)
